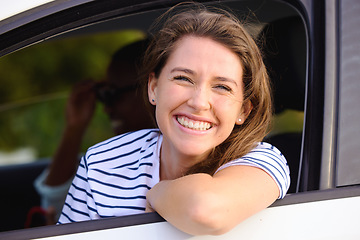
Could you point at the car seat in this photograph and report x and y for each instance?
(18, 195)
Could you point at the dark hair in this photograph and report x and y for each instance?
(131, 54)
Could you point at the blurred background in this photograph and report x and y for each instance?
(35, 83)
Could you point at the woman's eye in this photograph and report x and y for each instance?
(223, 87)
(182, 78)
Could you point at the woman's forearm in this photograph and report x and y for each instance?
(189, 203)
(201, 204)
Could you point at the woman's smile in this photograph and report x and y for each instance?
(193, 124)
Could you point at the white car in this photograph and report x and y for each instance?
(312, 50)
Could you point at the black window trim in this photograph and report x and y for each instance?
(149, 218)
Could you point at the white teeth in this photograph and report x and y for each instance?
(196, 125)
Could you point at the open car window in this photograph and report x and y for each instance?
(35, 83)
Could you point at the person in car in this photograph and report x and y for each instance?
(205, 168)
(123, 105)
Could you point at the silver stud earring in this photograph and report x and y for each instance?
(239, 120)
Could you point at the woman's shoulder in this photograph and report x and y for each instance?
(130, 139)
(264, 148)
(262, 153)
(266, 155)
(268, 158)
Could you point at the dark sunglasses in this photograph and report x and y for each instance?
(109, 94)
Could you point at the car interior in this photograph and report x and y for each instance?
(285, 58)
(277, 27)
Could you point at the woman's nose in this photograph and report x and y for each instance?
(200, 99)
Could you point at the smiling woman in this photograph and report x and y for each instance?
(206, 88)
(212, 109)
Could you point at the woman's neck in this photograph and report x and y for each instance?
(174, 164)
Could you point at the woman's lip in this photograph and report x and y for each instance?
(194, 118)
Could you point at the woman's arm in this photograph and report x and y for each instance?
(201, 204)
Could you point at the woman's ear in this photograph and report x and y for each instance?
(152, 84)
(245, 111)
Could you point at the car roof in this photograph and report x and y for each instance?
(16, 13)
(11, 8)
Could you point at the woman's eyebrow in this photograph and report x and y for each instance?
(185, 70)
(189, 71)
(224, 79)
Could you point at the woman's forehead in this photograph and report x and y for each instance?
(205, 54)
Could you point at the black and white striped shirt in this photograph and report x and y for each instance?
(114, 176)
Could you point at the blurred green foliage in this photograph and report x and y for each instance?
(35, 83)
(288, 121)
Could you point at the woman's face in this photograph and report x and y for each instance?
(198, 96)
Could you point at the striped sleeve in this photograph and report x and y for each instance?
(79, 205)
(270, 159)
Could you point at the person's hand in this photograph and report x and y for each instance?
(50, 216)
(81, 105)
(79, 111)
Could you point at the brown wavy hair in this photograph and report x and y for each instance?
(224, 28)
